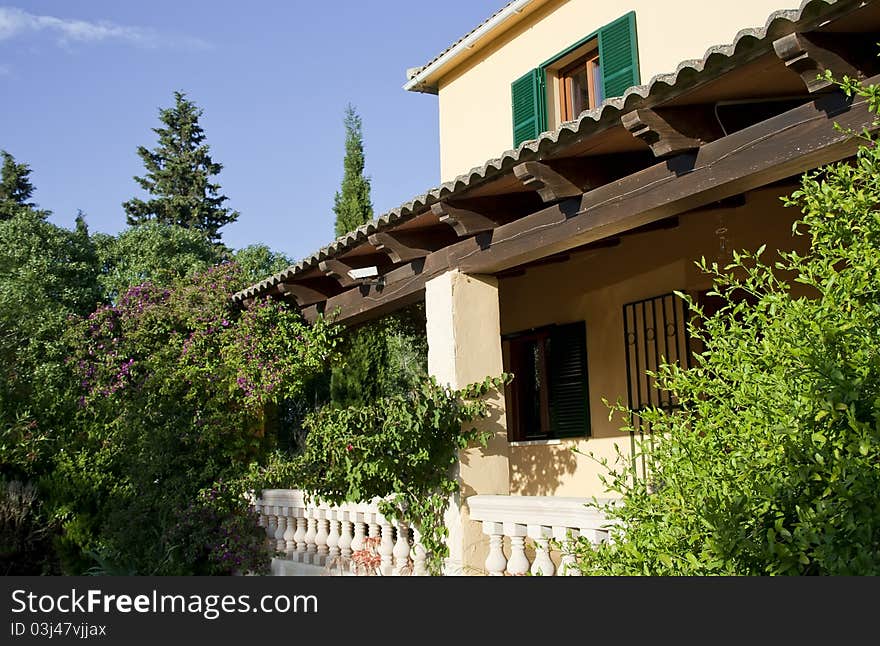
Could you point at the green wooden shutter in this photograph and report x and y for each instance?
(527, 98)
(567, 368)
(619, 55)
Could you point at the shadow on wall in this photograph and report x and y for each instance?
(540, 470)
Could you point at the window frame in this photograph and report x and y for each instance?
(512, 348)
(563, 77)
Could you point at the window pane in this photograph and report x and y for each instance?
(580, 93)
(598, 91)
(532, 382)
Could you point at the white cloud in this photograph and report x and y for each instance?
(15, 22)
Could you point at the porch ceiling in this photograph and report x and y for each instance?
(659, 150)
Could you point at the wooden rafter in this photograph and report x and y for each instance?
(656, 130)
(806, 56)
(304, 295)
(462, 221)
(782, 146)
(401, 246)
(338, 270)
(549, 183)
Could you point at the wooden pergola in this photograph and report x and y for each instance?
(747, 115)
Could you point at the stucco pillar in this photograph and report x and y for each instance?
(464, 346)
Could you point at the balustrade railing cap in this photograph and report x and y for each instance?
(549, 511)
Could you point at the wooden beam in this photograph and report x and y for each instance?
(338, 270)
(657, 131)
(463, 221)
(304, 295)
(805, 56)
(550, 184)
(788, 144)
(401, 246)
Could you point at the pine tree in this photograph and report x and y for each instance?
(352, 203)
(178, 176)
(15, 187)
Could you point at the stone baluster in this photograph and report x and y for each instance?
(271, 525)
(566, 539)
(386, 547)
(400, 551)
(345, 537)
(542, 566)
(495, 561)
(311, 533)
(333, 537)
(300, 535)
(281, 512)
(420, 556)
(321, 537)
(357, 541)
(290, 532)
(261, 517)
(517, 564)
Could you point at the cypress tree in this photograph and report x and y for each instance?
(352, 202)
(179, 172)
(15, 187)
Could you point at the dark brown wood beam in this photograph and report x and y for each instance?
(462, 221)
(805, 55)
(550, 184)
(402, 246)
(304, 295)
(788, 144)
(338, 270)
(656, 130)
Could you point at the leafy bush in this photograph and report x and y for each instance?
(174, 381)
(25, 533)
(771, 466)
(402, 448)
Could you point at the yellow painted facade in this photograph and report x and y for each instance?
(474, 92)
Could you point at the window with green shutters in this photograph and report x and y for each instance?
(549, 396)
(614, 47)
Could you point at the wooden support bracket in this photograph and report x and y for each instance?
(463, 222)
(802, 54)
(303, 295)
(550, 184)
(338, 270)
(400, 246)
(656, 131)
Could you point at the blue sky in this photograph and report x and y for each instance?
(82, 83)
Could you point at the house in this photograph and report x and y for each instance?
(612, 167)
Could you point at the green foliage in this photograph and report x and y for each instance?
(257, 261)
(152, 252)
(352, 204)
(47, 275)
(25, 533)
(402, 448)
(179, 172)
(15, 187)
(174, 381)
(216, 534)
(381, 358)
(771, 465)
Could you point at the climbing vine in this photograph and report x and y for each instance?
(401, 448)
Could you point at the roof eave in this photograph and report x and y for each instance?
(426, 79)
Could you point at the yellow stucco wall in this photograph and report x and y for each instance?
(475, 110)
(593, 287)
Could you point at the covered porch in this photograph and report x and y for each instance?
(590, 228)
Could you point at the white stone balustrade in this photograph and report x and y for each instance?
(514, 520)
(318, 535)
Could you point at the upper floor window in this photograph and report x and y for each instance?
(604, 64)
(580, 86)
